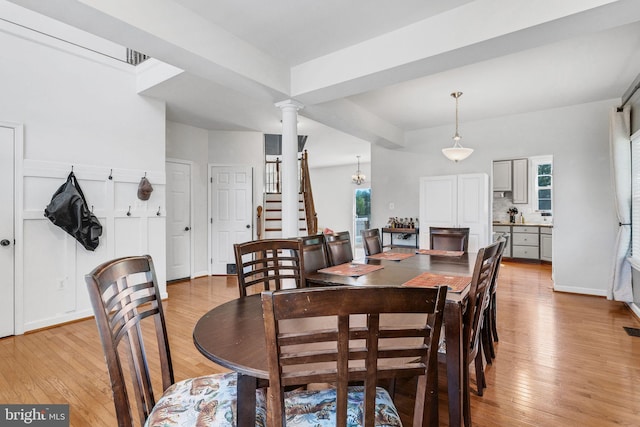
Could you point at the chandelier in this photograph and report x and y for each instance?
(358, 178)
(457, 152)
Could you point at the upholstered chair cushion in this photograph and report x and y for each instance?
(316, 408)
(208, 400)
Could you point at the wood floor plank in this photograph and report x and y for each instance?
(562, 359)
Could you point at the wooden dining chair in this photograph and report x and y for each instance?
(489, 326)
(449, 239)
(371, 241)
(269, 264)
(314, 252)
(339, 247)
(345, 335)
(472, 320)
(126, 300)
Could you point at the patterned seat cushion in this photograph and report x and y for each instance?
(203, 401)
(317, 408)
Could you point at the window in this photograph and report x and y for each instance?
(362, 208)
(543, 183)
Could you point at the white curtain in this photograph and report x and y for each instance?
(619, 140)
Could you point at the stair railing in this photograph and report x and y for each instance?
(259, 223)
(311, 215)
(272, 176)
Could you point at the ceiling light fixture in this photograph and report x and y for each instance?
(457, 152)
(358, 178)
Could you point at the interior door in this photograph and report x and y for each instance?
(231, 214)
(438, 204)
(7, 247)
(178, 220)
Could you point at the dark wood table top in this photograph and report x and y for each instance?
(232, 334)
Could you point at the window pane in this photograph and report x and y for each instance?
(544, 181)
(544, 169)
(544, 205)
(544, 194)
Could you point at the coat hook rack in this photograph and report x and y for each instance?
(129, 211)
(158, 213)
(111, 174)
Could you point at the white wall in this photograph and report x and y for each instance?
(584, 218)
(192, 145)
(77, 111)
(333, 194)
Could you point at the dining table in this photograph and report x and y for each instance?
(232, 334)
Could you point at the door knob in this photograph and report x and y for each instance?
(187, 229)
(248, 226)
(5, 242)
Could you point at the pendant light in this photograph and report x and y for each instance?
(358, 178)
(457, 152)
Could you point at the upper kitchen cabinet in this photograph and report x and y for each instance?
(502, 175)
(520, 181)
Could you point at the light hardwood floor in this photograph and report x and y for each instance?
(562, 359)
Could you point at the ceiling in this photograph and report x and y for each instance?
(368, 71)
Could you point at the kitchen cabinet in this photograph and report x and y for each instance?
(456, 201)
(532, 242)
(526, 242)
(546, 242)
(502, 175)
(520, 181)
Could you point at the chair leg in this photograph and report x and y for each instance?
(494, 317)
(480, 381)
(487, 345)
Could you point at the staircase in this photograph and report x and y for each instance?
(273, 216)
(269, 218)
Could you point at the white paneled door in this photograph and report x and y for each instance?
(178, 220)
(7, 247)
(231, 211)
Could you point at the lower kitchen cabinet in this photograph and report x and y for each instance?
(546, 242)
(530, 242)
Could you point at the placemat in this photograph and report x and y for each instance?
(391, 256)
(350, 269)
(439, 252)
(428, 280)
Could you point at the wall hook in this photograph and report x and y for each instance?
(129, 211)
(111, 174)
(91, 208)
(145, 174)
(71, 168)
(158, 213)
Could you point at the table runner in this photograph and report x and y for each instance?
(391, 256)
(429, 280)
(439, 252)
(349, 269)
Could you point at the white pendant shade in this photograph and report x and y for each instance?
(457, 152)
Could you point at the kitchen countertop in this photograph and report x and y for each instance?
(526, 224)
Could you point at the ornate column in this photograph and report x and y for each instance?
(289, 167)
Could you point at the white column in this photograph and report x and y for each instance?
(289, 167)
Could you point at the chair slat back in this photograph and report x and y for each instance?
(124, 292)
(339, 248)
(371, 241)
(314, 253)
(340, 335)
(484, 268)
(449, 239)
(269, 264)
